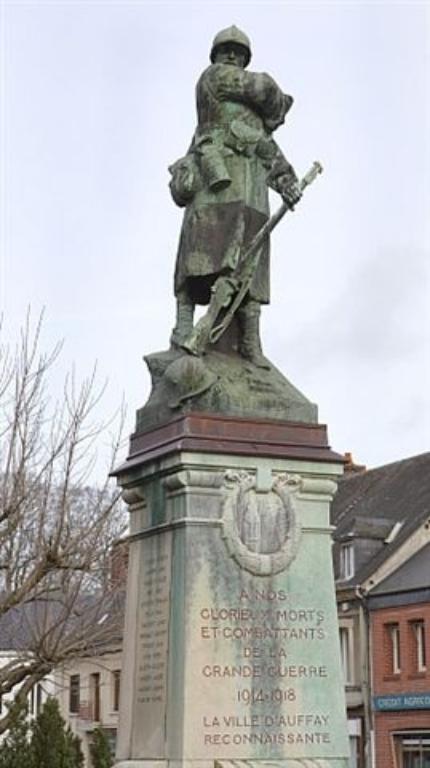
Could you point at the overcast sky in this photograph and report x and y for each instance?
(97, 100)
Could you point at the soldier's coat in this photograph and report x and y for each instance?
(237, 112)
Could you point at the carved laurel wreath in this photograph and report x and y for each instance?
(236, 486)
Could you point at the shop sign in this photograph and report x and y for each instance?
(401, 701)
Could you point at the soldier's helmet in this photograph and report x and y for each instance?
(231, 35)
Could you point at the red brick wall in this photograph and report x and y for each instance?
(119, 563)
(409, 680)
(387, 723)
(384, 682)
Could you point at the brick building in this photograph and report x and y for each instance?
(382, 568)
(399, 610)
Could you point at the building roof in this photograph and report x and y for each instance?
(414, 574)
(33, 626)
(16, 628)
(379, 509)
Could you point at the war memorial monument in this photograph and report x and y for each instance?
(231, 653)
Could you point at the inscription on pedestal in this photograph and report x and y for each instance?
(265, 674)
(153, 636)
(235, 648)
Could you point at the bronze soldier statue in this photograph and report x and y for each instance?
(223, 183)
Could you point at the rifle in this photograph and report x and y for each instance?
(230, 291)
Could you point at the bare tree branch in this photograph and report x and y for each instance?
(57, 532)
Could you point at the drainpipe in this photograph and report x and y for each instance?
(365, 663)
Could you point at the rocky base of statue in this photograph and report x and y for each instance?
(219, 383)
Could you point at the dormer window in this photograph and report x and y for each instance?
(347, 561)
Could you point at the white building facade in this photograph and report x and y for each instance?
(88, 691)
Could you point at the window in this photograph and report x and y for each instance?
(393, 637)
(346, 653)
(354, 751)
(35, 698)
(95, 696)
(74, 693)
(346, 561)
(39, 692)
(418, 629)
(413, 749)
(116, 687)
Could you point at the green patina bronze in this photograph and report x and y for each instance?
(222, 262)
(223, 182)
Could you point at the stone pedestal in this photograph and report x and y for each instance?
(231, 651)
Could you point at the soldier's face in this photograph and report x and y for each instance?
(231, 53)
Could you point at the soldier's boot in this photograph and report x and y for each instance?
(250, 343)
(184, 320)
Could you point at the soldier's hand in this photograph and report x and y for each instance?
(291, 192)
